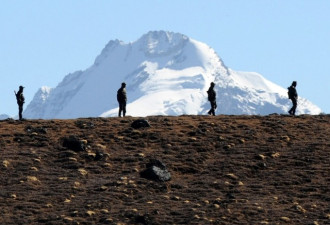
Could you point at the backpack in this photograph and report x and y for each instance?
(211, 95)
(290, 92)
(20, 98)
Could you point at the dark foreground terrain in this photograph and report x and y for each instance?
(224, 170)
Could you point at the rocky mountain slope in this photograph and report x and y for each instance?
(224, 170)
(166, 74)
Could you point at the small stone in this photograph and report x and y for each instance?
(34, 168)
(276, 155)
(285, 138)
(67, 201)
(109, 221)
(261, 157)
(221, 138)
(13, 196)
(103, 188)
(286, 219)
(107, 165)
(232, 176)
(83, 172)
(37, 160)
(91, 154)
(300, 209)
(104, 211)
(227, 147)
(101, 146)
(5, 163)
(76, 185)
(32, 179)
(90, 213)
(216, 206)
(67, 219)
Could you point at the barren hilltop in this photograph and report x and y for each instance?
(223, 170)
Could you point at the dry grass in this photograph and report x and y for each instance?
(225, 170)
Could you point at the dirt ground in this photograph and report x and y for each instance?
(224, 170)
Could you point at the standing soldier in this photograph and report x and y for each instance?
(20, 101)
(293, 95)
(211, 95)
(122, 99)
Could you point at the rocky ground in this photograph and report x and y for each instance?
(224, 170)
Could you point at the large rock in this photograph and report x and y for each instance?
(156, 171)
(140, 124)
(73, 143)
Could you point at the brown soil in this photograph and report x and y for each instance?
(225, 170)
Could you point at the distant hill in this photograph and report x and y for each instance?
(166, 74)
(224, 170)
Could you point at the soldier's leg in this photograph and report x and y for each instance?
(124, 109)
(20, 111)
(294, 107)
(120, 109)
(213, 105)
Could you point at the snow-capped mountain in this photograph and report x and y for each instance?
(166, 74)
(4, 116)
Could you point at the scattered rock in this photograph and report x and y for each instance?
(35, 130)
(156, 171)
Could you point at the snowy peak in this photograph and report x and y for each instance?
(166, 74)
(159, 43)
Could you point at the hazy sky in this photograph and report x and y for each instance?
(41, 41)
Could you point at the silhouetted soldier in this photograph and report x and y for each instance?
(122, 99)
(211, 95)
(20, 101)
(293, 95)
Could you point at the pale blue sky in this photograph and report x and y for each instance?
(41, 41)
